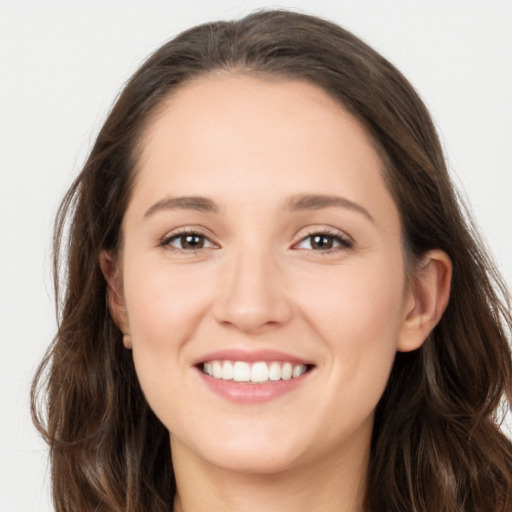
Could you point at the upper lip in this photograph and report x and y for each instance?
(250, 356)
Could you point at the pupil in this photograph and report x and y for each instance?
(192, 241)
(322, 242)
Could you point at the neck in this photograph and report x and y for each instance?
(332, 484)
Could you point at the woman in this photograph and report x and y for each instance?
(273, 299)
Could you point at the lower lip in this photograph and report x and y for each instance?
(246, 392)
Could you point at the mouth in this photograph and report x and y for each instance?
(253, 376)
(257, 372)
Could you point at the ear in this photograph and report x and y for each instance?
(426, 300)
(115, 297)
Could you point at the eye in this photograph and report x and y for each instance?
(187, 241)
(324, 242)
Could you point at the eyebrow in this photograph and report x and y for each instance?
(320, 201)
(200, 204)
(299, 202)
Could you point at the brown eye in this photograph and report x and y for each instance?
(187, 241)
(324, 242)
(191, 241)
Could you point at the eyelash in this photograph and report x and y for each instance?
(343, 241)
(167, 240)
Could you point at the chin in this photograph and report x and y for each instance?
(267, 460)
(255, 453)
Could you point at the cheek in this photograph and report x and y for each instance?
(360, 303)
(164, 308)
(358, 322)
(163, 304)
(358, 315)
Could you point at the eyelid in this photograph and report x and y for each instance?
(345, 241)
(166, 240)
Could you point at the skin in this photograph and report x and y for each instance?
(249, 146)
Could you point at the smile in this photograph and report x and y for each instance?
(253, 376)
(253, 373)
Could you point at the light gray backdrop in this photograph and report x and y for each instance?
(61, 66)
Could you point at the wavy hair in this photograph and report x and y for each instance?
(436, 445)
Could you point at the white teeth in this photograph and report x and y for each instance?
(241, 371)
(217, 369)
(259, 372)
(298, 370)
(286, 371)
(227, 371)
(274, 372)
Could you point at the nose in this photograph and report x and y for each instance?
(253, 297)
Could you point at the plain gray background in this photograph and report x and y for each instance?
(61, 66)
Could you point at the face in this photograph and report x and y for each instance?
(262, 276)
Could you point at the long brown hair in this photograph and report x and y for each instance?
(437, 445)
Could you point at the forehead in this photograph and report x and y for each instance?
(262, 137)
(226, 98)
(273, 111)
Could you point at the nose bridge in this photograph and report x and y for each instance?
(252, 297)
